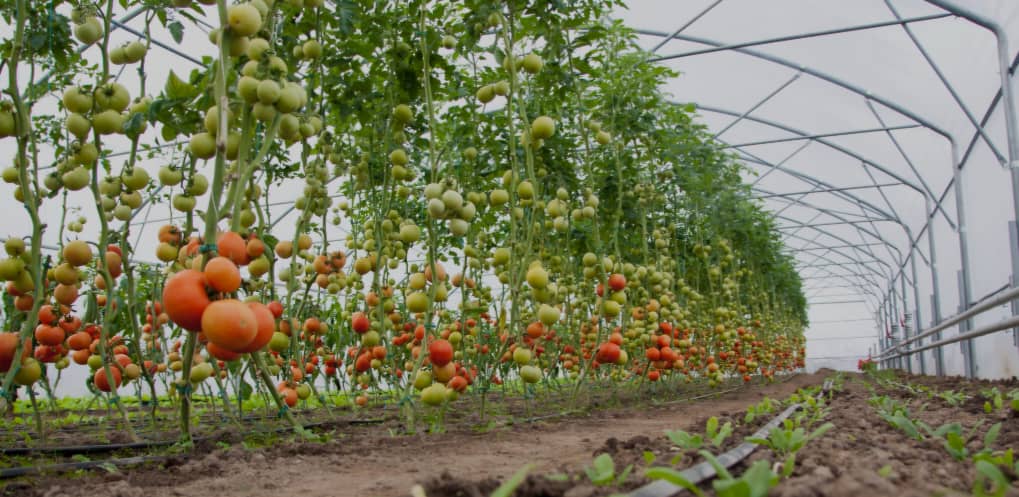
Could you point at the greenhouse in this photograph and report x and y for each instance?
(520, 248)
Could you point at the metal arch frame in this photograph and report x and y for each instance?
(847, 256)
(860, 202)
(823, 141)
(802, 176)
(810, 179)
(909, 236)
(1010, 124)
(842, 221)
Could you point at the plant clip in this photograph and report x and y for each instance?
(283, 411)
(113, 400)
(208, 247)
(184, 389)
(7, 394)
(406, 399)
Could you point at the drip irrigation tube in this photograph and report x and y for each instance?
(96, 449)
(74, 466)
(703, 471)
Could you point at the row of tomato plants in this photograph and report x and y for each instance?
(520, 201)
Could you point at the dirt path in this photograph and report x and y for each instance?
(370, 462)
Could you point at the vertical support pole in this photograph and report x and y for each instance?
(965, 288)
(880, 320)
(939, 358)
(893, 319)
(968, 367)
(903, 317)
(1013, 246)
(916, 302)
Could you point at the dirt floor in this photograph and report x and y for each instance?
(370, 461)
(862, 456)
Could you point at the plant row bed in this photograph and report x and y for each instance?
(862, 455)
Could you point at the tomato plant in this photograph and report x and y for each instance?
(481, 192)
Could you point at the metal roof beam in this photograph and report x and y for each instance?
(826, 190)
(800, 36)
(694, 19)
(826, 135)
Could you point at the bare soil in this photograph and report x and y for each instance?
(374, 460)
(862, 456)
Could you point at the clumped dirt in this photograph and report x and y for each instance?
(372, 460)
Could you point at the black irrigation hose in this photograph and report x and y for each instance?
(208, 420)
(74, 466)
(94, 449)
(705, 471)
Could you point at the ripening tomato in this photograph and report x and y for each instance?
(440, 352)
(276, 308)
(230, 324)
(185, 299)
(617, 282)
(608, 353)
(360, 323)
(100, 378)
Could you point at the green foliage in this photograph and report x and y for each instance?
(788, 440)
(602, 471)
(756, 481)
(990, 481)
(674, 477)
(713, 433)
(510, 485)
(716, 434)
(685, 440)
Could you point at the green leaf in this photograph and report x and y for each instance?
(649, 457)
(820, 431)
(508, 486)
(624, 474)
(712, 427)
(713, 461)
(674, 477)
(992, 436)
(178, 89)
(789, 465)
(989, 473)
(176, 31)
(602, 470)
(246, 390)
(687, 441)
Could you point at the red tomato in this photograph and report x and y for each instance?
(440, 352)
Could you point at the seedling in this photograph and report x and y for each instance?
(990, 481)
(756, 481)
(674, 477)
(712, 432)
(953, 398)
(715, 434)
(602, 471)
(788, 441)
(511, 484)
(994, 399)
(685, 440)
(766, 406)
